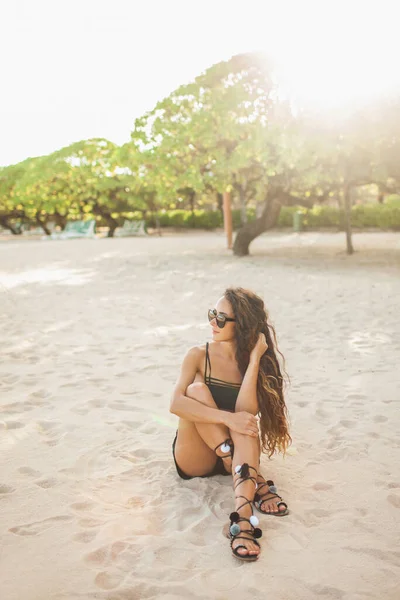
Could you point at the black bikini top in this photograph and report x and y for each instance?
(224, 393)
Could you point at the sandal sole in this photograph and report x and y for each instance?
(282, 513)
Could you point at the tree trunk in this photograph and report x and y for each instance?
(381, 197)
(242, 200)
(347, 218)
(220, 203)
(111, 222)
(191, 201)
(14, 230)
(43, 225)
(228, 219)
(158, 227)
(60, 220)
(250, 231)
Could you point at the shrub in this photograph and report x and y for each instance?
(380, 216)
(393, 200)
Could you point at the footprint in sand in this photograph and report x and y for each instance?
(50, 432)
(16, 407)
(348, 424)
(106, 555)
(12, 425)
(79, 411)
(322, 486)
(356, 397)
(332, 593)
(85, 537)
(85, 506)
(40, 394)
(96, 403)
(39, 526)
(380, 419)
(121, 406)
(90, 523)
(108, 581)
(70, 385)
(394, 500)
(10, 378)
(323, 414)
(143, 453)
(47, 483)
(6, 489)
(29, 472)
(147, 428)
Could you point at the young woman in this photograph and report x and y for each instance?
(222, 390)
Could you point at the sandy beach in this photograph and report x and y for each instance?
(92, 336)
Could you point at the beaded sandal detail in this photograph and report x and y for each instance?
(234, 531)
(272, 490)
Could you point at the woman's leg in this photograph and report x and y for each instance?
(247, 450)
(268, 500)
(195, 444)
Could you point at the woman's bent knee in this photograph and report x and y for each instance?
(200, 392)
(196, 388)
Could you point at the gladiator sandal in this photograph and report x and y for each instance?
(252, 533)
(226, 447)
(269, 494)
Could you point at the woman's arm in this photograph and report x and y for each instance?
(188, 408)
(247, 398)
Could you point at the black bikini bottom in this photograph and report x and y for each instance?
(218, 469)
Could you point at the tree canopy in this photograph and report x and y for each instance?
(231, 129)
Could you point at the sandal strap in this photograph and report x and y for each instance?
(239, 537)
(257, 498)
(244, 503)
(229, 443)
(244, 475)
(268, 484)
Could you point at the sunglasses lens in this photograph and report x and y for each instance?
(219, 319)
(221, 322)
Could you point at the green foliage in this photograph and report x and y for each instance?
(363, 216)
(185, 219)
(393, 200)
(375, 216)
(226, 129)
(230, 129)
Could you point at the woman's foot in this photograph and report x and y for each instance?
(250, 546)
(267, 500)
(242, 530)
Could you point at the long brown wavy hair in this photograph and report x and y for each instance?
(251, 320)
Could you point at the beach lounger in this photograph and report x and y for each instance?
(132, 228)
(76, 229)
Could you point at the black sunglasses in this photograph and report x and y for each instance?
(220, 318)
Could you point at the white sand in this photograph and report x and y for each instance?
(92, 335)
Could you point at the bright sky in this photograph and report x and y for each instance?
(87, 68)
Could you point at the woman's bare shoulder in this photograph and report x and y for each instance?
(196, 352)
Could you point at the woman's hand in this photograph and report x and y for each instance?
(260, 348)
(242, 422)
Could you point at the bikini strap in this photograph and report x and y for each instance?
(207, 364)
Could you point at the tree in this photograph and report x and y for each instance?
(227, 129)
(11, 208)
